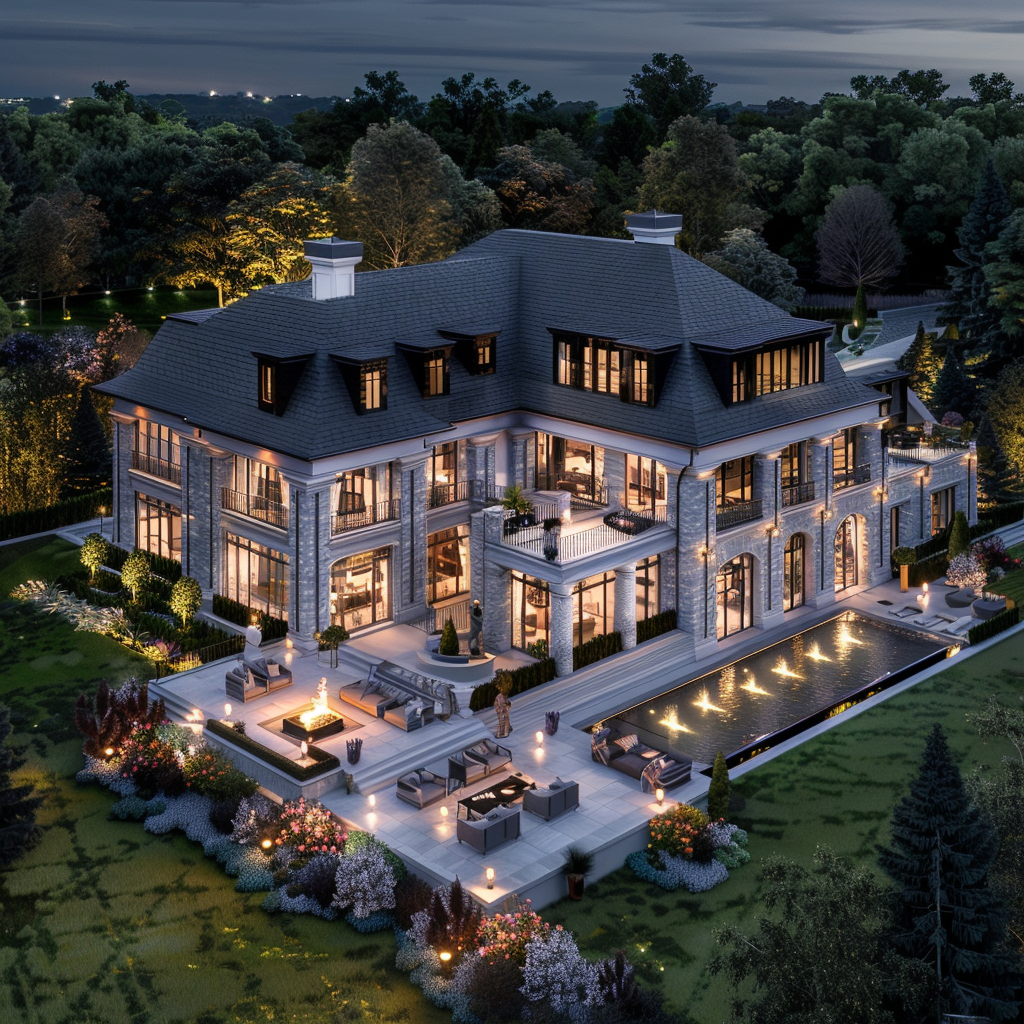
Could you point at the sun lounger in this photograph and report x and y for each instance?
(905, 612)
(930, 621)
(959, 627)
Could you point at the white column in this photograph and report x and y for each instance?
(625, 604)
(561, 626)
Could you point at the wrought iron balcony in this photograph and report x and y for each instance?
(855, 475)
(166, 469)
(735, 514)
(447, 494)
(382, 512)
(797, 494)
(255, 507)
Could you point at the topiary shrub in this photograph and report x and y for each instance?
(449, 640)
(903, 555)
(718, 793)
(186, 598)
(94, 553)
(135, 573)
(959, 536)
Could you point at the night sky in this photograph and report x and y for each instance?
(579, 49)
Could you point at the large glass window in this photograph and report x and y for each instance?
(845, 453)
(447, 563)
(435, 374)
(734, 482)
(943, 509)
(593, 609)
(734, 587)
(257, 576)
(647, 600)
(646, 484)
(157, 527)
(846, 554)
(257, 490)
(776, 369)
(564, 465)
(797, 484)
(361, 589)
(361, 497)
(444, 474)
(373, 386)
(156, 451)
(793, 573)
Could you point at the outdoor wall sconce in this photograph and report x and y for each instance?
(772, 530)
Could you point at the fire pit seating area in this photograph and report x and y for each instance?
(397, 695)
(421, 788)
(250, 679)
(491, 831)
(549, 803)
(626, 753)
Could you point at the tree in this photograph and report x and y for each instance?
(86, 452)
(135, 573)
(667, 88)
(994, 88)
(718, 793)
(94, 552)
(1006, 411)
(858, 243)
(270, 220)
(998, 478)
(922, 87)
(959, 536)
(968, 305)
(696, 173)
(1001, 319)
(6, 319)
(119, 345)
(946, 916)
(921, 361)
(186, 598)
(819, 952)
(449, 639)
(953, 388)
(628, 136)
(399, 200)
(18, 829)
(746, 258)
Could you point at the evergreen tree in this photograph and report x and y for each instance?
(718, 793)
(87, 454)
(959, 536)
(953, 389)
(998, 479)
(18, 830)
(860, 312)
(946, 916)
(921, 361)
(486, 140)
(968, 304)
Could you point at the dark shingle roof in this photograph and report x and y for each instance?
(524, 282)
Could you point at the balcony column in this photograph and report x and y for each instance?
(219, 474)
(696, 561)
(196, 511)
(480, 466)
(561, 626)
(122, 524)
(625, 604)
(523, 470)
(410, 567)
(309, 532)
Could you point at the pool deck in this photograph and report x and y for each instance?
(613, 814)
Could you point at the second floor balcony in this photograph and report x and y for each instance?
(368, 515)
(447, 494)
(797, 494)
(255, 507)
(852, 476)
(166, 469)
(736, 513)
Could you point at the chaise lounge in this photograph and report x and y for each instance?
(549, 803)
(655, 768)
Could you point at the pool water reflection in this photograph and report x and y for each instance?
(766, 691)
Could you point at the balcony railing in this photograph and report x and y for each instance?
(166, 469)
(382, 512)
(446, 494)
(856, 475)
(932, 453)
(741, 512)
(797, 494)
(255, 507)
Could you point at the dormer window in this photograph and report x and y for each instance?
(373, 386)
(435, 374)
(485, 351)
(778, 368)
(476, 348)
(277, 377)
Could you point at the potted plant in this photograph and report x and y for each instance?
(515, 501)
(904, 557)
(578, 864)
(329, 639)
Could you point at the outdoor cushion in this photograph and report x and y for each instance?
(273, 669)
(250, 679)
(628, 742)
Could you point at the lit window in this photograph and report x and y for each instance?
(373, 386)
(267, 387)
(435, 374)
(485, 355)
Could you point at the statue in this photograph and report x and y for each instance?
(502, 707)
(476, 629)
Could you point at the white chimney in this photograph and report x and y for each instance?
(655, 227)
(334, 266)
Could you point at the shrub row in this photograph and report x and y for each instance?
(655, 625)
(53, 517)
(524, 678)
(594, 650)
(200, 634)
(990, 627)
(928, 569)
(1002, 515)
(324, 762)
(168, 569)
(841, 313)
(242, 615)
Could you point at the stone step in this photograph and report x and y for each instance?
(177, 709)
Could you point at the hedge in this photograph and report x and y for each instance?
(64, 513)
(168, 569)
(524, 678)
(841, 313)
(1002, 515)
(655, 625)
(324, 762)
(990, 627)
(596, 649)
(242, 615)
(928, 569)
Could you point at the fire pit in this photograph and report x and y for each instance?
(317, 722)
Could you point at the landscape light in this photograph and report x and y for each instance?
(444, 813)
(444, 957)
(490, 878)
(659, 795)
(304, 747)
(227, 710)
(109, 751)
(372, 800)
(266, 844)
(540, 738)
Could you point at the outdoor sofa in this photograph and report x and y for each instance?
(655, 767)
(250, 679)
(397, 695)
(488, 833)
(491, 755)
(549, 803)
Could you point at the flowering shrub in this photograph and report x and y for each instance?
(316, 879)
(255, 813)
(676, 872)
(991, 553)
(673, 831)
(966, 571)
(721, 833)
(952, 419)
(505, 936)
(557, 974)
(450, 921)
(365, 882)
(209, 772)
(309, 828)
(152, 764)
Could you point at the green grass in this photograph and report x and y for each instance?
(103, 923)
(45, 558)
(146, 309)
(836, 790)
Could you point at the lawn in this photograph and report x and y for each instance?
(837, 790)
(1012, 584)
(103, 923)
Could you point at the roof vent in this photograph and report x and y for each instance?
(334, 266)
(652, 226)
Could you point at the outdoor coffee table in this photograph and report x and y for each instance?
(499, 794)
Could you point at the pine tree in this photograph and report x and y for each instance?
(718, 793)
(87, 454)
(921, 361)
(953, 389)
(18, 829)
(945, 915)
(998, 479)
(485, 141)
(968, 304)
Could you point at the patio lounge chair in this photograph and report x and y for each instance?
(421, 788)
(500, 826)
(905, 612)
(549, 803)
(463, 770)
(930, 621)
(959, 627)
(248, 680)
(491, 755)
(633, 758)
